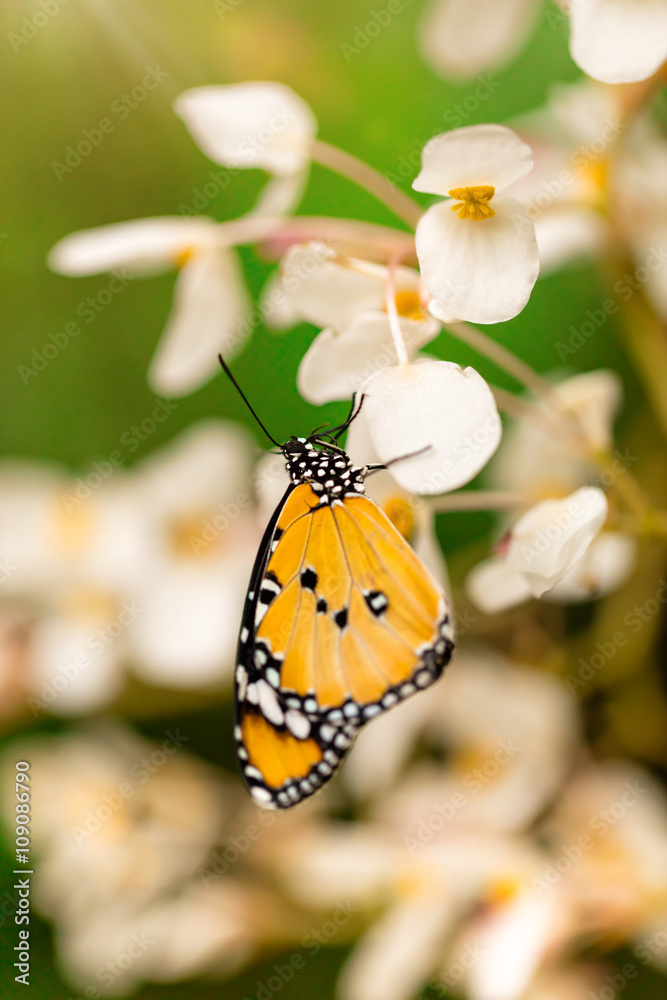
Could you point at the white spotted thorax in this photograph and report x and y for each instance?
(328, 470)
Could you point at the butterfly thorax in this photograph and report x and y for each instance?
(326, 468)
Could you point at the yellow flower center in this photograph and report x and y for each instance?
(503, 891)
(594, 180)
(401, 515)
(90, 605)
(183, 256)
(473, 202)
(408, 305)
(189, 539)
(72, 527)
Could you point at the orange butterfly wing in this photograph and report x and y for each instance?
(343, 621)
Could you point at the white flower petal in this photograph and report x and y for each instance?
(254, 124)
(568, 234)
(494, 587)
(188, 631)
(604, 567)
(585, 111)
(395, 958)
(382, 749)
(281, 194)
(475, 155)
(33, 517)
(342, 860)
(143, 246)
(538, 457)
(551, 537)
(481, 271)
(336, 364)
(436, 310)
(329, 290)
(436, 406)
(461, 38)
(619, 41)
(594, 399)
(208, 318)
(488, 707)
(277, 311)
(511, 945)
(205, 466)
(76, 671)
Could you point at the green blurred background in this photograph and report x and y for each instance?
(380, 104)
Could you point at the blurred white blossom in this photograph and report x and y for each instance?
(210, 299)
(147, 568)
(617, 41)
(205, 535)
(254, 124)
(122, 826)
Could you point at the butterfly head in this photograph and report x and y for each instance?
(323, 465)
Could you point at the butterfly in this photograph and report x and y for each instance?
(341, 622)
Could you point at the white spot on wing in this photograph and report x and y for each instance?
(297, 723)
(268, 704)
(242, 682)
(262, 797)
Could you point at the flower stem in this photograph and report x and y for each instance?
(520, 407)
(349, 237)
(365, 176)
(392, 312)
(502, 357)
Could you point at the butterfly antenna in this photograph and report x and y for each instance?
(399, 458)
(245, 399)
(352, 415)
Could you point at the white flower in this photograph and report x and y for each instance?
(347, 297)
(148, 567)
(616, 41)
(210, 300)
(478, 253)
(77, 550)
(510, 733)
(620, 881)
(639, 185)
(427, 896)
(190, 932)
(549, 539)
(619, 41)
(555, 550)
(125, 831)
(119, 817)
(254, 124)
(574, 140)
(204, 537)
(494, 587)
(461, 38)
(440, 420)
(554, 452)
(603, 568)
(35, 532)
